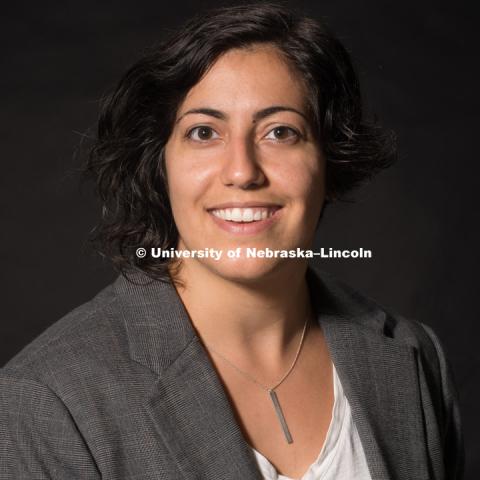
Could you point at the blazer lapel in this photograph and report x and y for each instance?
(196, 421)
(188, 404)
(379, 376)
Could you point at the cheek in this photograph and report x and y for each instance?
(303, 179)
(188, 178)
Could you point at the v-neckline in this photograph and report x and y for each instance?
(338, 413)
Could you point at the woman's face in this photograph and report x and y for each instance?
(244, 167)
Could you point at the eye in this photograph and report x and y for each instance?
(202, 133)
(283, 134)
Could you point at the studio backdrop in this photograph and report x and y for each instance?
(418, 64)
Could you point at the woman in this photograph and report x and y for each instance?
(230, 138)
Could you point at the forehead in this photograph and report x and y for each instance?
(248, 78)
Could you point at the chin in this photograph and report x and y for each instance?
(251, 271)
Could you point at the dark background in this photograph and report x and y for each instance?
(418, 63)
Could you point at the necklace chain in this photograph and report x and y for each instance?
(247, 375)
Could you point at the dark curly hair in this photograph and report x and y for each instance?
(135, 122)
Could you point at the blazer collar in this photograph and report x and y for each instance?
(193, 415)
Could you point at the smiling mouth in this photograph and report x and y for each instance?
(244, 215)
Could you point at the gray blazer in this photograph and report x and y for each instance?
(122, 388)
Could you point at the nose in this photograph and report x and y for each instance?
(241, 168)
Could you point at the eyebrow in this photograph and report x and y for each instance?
(261, 114)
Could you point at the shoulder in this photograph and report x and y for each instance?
(90, 338)
(50, 391)
(363, 316)
(340, 300)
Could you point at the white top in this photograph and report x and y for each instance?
(342, 456)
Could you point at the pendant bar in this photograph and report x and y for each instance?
(280, 416)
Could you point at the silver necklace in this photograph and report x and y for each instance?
(271, 390)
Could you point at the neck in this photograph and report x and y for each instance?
(261, 322)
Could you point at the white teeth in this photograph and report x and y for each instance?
(236, 215)
(247, 215)
(243, 214)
